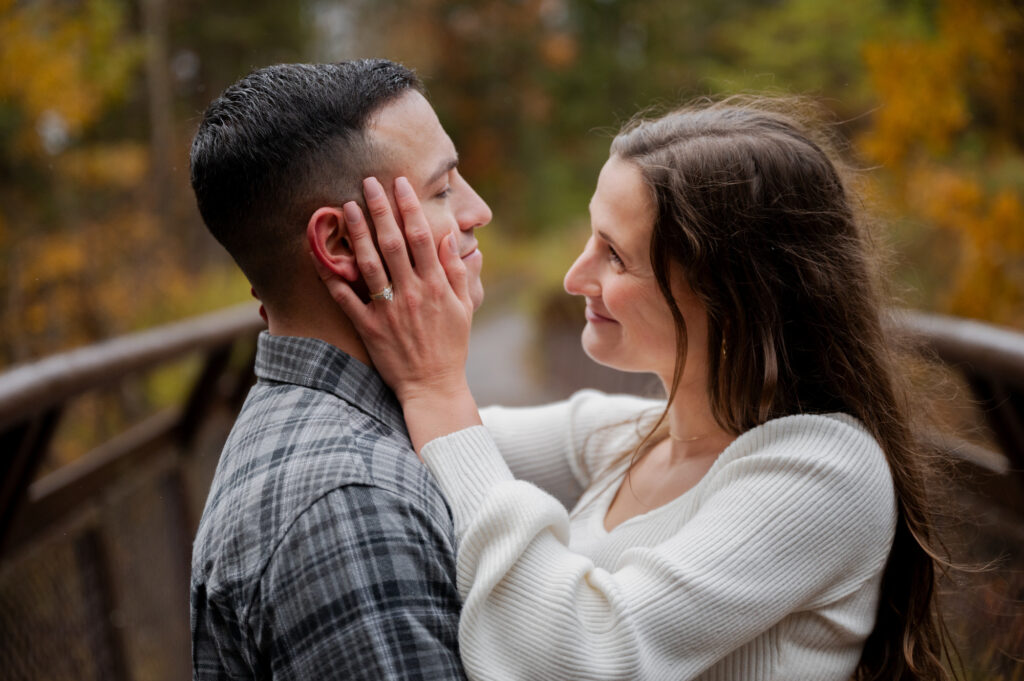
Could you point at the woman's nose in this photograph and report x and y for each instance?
(579, 280)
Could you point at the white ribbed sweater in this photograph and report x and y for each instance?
(769, 568)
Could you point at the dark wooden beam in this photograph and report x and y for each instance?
(52, 497)
(22, 451)
(30, 389)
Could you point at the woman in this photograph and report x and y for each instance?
(766, 521)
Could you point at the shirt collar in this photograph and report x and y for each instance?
(316, 364)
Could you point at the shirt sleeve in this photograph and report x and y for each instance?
(797, 522)
(216, 655)
(361, 587)
(558, 446)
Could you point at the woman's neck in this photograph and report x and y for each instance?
(693, 430)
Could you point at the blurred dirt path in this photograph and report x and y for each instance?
(502, 367)
(498, 368)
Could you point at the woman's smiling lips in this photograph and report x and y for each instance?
(596, 318)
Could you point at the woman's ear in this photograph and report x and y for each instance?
(328, 240)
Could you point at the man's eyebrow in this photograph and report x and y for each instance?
(445, 168)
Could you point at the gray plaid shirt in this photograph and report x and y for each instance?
(325, 550)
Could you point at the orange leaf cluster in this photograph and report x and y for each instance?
(941, 130)
(922, 104)
(989, 229)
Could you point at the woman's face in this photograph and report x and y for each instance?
(629, 325)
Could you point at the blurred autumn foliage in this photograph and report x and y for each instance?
(99, 98)
(60, 70)
(949, 137)
(96, 237)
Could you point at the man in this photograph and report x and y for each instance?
(325, 550)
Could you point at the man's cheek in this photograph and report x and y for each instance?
(439, 224)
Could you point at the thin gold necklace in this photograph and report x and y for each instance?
(686, 439)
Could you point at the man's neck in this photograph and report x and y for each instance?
(325, 323)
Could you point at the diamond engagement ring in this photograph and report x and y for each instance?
(387, 293)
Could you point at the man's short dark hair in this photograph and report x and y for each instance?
(280, 143)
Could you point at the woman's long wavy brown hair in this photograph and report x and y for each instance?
(753, 210)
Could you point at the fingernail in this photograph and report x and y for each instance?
(402, 187)
(372, 188)
(351, 212)
(452, 245)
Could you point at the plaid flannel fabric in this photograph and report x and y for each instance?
(325, 550)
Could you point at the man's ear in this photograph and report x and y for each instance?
(329, 242)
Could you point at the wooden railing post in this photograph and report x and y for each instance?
(1004, 412)
(203, 393)
(98, 594)
(22, 449)
(32, 397)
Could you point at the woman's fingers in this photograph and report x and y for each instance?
(417, 230)
(367, 258)
(390, 239)
(350, 303)
(454, 268)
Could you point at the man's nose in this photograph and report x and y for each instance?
(474, 211)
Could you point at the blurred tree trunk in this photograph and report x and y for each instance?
(158, 86)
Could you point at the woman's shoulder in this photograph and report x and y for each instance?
(815, 431)
(832, 423)
(833, 448)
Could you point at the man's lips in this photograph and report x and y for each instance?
(467, 252)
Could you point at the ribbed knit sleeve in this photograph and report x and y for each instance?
(795, 516)
(560, 447)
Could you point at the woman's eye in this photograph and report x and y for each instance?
(614, 256)
(444, 193)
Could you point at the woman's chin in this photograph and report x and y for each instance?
(613, 357)
(599, 352)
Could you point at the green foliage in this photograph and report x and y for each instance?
(810, 47)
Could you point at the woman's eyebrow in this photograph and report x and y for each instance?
(604, 235)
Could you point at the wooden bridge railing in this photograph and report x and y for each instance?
(80, 598)
(990, 359)
(94, 556)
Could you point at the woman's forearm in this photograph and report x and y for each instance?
(430, 415)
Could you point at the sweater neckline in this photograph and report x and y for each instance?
(616, 477)
(603, 500)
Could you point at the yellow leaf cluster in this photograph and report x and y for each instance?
(101, 277)
(56, 259)
(119, 166)
(82, 281)
(63, 62)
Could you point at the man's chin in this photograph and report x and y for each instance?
(476, 295)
